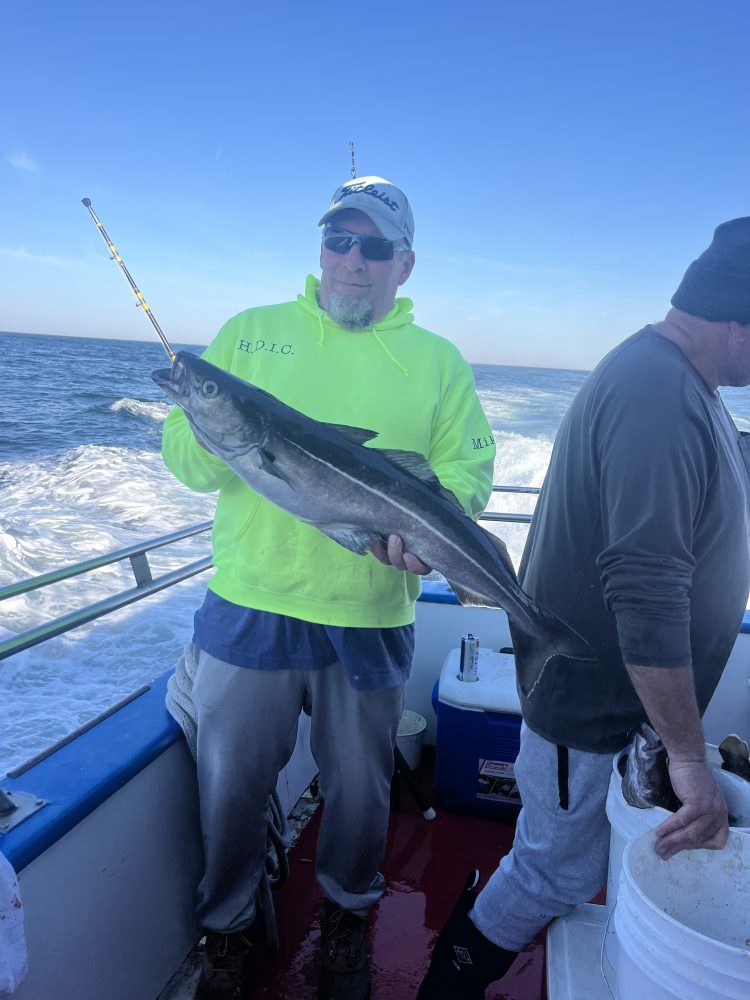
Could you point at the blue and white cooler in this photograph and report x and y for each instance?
(478, 736)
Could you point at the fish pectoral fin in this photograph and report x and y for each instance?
(359, 435)
(267, 463)
(470, 598)
(357, 540)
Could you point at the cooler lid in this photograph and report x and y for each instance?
(495, 691)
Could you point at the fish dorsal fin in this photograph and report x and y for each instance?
(357, 435)
(499, 545)
(412, 462)
(417, 465)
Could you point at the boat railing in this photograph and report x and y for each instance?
(145, 583)
(495, 515)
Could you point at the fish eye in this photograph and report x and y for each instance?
(209, 389)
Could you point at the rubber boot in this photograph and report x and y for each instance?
(464, 962)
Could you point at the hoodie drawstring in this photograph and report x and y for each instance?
(311, 301)
(388, 354)
(321, 325)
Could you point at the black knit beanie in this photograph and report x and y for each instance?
(716, 286)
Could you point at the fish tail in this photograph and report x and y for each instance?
(535, 647)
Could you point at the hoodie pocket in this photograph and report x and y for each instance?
(247, 523)
(232, 527)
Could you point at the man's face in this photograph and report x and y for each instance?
(350, 282)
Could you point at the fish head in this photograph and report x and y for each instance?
(646, 779)
(216, 404)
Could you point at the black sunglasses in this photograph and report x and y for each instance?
(371, 247)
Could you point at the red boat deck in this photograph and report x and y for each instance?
(425, 867)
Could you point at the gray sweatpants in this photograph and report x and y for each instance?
(559, 856)
(247, 728)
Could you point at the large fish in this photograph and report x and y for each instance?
(323, 474)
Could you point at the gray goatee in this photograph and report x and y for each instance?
(350, 311)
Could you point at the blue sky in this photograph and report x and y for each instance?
(565, 160)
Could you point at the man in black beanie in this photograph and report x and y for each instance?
(639, 542)
(716, 286)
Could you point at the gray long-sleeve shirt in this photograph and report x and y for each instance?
(639, 542)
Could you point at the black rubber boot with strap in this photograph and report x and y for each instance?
(464, 962)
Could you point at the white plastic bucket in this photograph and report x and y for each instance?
(628, 822)
(411, 736)
(683, 925)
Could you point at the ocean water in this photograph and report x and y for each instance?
(81, 475)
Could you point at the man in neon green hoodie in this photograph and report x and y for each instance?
(292, 620)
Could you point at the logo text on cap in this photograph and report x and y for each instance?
(373, 192)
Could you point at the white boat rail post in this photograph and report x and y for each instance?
(15, 807)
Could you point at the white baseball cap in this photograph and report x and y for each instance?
(381, 201)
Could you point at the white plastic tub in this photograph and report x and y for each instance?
(683, 925)
(628, 822)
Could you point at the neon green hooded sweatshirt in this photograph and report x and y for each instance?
(406, 383)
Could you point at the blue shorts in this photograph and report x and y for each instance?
(373, 658)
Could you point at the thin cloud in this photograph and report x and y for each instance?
(22, 254)
(23, 162)
(504, 267)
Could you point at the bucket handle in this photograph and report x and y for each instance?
(603, 950)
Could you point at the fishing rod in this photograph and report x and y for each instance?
(121, 263)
